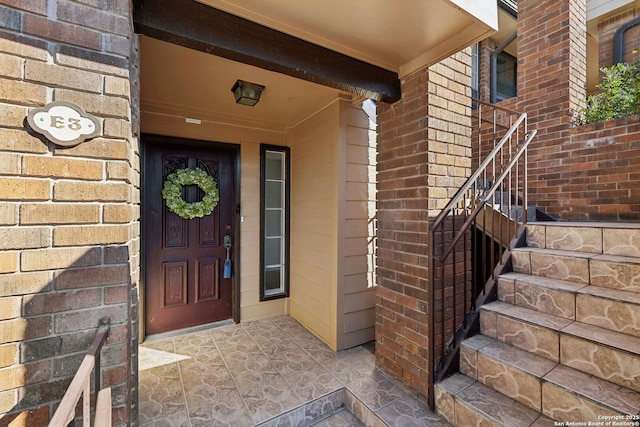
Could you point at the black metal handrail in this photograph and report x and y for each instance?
(470, 236)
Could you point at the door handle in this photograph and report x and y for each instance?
(226, 241)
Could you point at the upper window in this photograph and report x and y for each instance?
(506, 76)
(274, 229)
(475, 71)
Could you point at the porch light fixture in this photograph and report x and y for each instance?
(247, 93)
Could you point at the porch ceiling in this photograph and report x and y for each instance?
(394, 37)
(399, 35)
(184, 82)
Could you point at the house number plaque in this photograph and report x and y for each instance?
(64, 123)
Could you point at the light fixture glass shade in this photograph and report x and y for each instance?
(247, 93)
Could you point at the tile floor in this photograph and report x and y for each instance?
(269, 372)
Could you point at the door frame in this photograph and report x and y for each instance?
(234, 149)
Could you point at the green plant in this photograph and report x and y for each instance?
(619, 94)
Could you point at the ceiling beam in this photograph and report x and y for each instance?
(198, 26)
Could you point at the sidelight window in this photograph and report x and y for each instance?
(274, 229)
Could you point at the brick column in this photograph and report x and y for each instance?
(68, 216)
(551, 82)
(423, 157)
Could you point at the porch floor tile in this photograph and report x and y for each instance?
(250, 373)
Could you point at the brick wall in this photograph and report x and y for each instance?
(551, 80)
(69, 234)
(424, 155)
(551, 68)
(583, 173)
(486, 48)
(596, 176)
(606, 32)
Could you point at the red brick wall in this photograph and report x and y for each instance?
(402, 237)
(423, 157)
(68, 216)
(486, 48)
(551, 68)
(606, 31)
(584, 173)
(595, 175)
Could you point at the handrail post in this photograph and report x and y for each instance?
(431, 326)
(80, 384)
(103, 328)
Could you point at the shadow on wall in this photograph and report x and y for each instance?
(46, 340)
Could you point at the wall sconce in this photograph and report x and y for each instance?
(247, 93)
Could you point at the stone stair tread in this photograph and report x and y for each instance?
(544, 421)
(618, 259)
(612, 309)
(520, 359)
(559, 252)
(617, 398)
(536, 317)
(611, 294)
(340, 418)
(590, 224)
(544, 282)
(615, 272)
(476, 342)
(499, 409)
(604, 336)
(455, 384)
(496, 306)
(582, 330)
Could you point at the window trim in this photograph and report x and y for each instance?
(264, 148)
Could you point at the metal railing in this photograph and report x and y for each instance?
(471, 235)
(81, 386)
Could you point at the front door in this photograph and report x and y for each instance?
(186, 283)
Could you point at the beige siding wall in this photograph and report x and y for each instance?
(332, 203)
(249, 139)
(356, 321)
(314, 223)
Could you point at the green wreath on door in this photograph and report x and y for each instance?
(172, 193)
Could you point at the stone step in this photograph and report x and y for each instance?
(513, 372)
(567, 396)
(600, 352)
(616, 272)
(552, 263)
(570, 395)
(552, 296)
(608, 308)
(558, 391)
(464, 402)
(342, 418)
(603, 353)
(530, 330)
(598, 238)
(608, 271)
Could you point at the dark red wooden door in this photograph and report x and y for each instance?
(184, 258)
